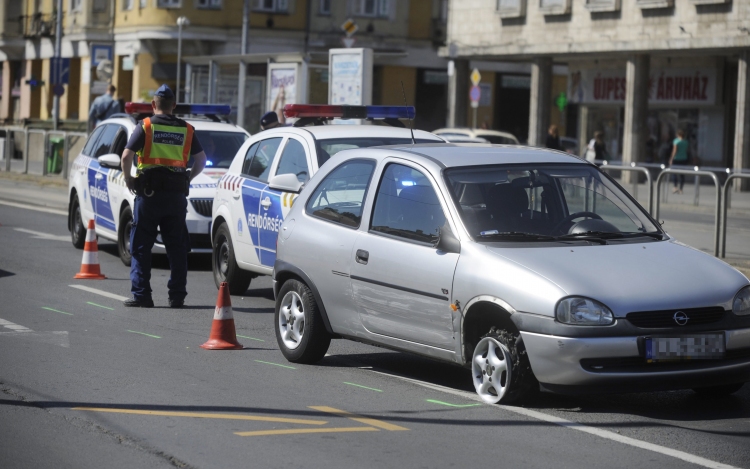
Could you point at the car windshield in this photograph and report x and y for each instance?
(331, 146)
(545, 202)
(220, 146)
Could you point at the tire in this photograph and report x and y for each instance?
(719, 391)
(77, 230)
(300, 332)
(225, 264)
(510, 380)
(123, 236)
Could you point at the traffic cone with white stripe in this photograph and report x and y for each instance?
(223, 334)
(90, 261)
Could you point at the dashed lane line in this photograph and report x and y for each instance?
(105, 307)
(448, 404)
(606, 434)
(143, 333)
(358, 418)
(99, 292)
(363, 387)
(276, 364)
(56, 310)
(202, 415)
(251, 338)
(33, 207)
(297, 431)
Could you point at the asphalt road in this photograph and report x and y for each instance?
(94, 384)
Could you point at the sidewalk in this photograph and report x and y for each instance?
(47, 191)
(739, 202)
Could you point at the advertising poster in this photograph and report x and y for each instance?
(282, 88)
(346, 79)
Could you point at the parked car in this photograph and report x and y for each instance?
(570, 145)
(492, 136)
(528, 266)
(97, 187)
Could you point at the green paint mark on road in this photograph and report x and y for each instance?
(451, 405)
(251, 338)
(363, 387)
(105, 307)
(57, 311)
(276, 364)
(143, 333)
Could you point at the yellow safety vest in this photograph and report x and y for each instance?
(165, 145)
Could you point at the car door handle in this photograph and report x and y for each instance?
(98, 176)
(266, 203)
(236, 194)
(362, 256)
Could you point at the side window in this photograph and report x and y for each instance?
(249, 158)
(340, 195)
(104, 145)
(88, 149)
(120, 141)
(294, 161)
(407, 206)
(262, 161)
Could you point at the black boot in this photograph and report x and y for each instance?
(136, 303)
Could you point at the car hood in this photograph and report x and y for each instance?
(634, 277)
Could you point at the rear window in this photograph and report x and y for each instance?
(332, 146)
(220, 147)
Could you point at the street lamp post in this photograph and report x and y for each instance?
(181, 21)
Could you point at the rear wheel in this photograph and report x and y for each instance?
(77, 230)
(225, 264)
(300, 332)
(719, 391)
(500, 369)
(123, 236)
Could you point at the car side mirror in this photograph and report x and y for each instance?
(110, 160)
(447, 242)
(285, 183)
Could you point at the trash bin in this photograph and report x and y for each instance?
(55, 157)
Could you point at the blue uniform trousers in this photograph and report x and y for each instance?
(167, 211)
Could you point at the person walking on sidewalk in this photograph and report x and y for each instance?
(164, 145)
(679, 157)
(103, 107)
(553, 138)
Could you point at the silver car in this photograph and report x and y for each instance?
(531, 267)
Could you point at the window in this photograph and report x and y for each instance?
(554, 7)
(104, 145)
(340, 195)
(120, 141)
(272, 6)
(219, 146)
(100, 6)
(511, 8)
(325, 7)
(143, 3)
(407, 206)
(208, 4)
(261, 159)
(371, 8)
(603, 5)
(645, 4)
(75, 5)
(331, 146)
(294, 161)
(169, 3)
(88, 149)
(127, 5)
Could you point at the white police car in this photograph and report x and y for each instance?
(268, 172)
(97, 188)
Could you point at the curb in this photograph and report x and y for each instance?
(44, 181)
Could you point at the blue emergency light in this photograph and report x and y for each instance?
(349, 112)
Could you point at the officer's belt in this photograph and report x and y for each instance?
(161, 180)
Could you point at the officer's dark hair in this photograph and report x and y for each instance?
(163, 103)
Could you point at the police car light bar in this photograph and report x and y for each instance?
(349, 112)
(215, 109)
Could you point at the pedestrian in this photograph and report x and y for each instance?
(103, 107)
(665, 151)
(270, 120)
(679, 157)
(596, 150)
(553, 138)
(163, 144)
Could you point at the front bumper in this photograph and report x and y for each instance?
(604, 364)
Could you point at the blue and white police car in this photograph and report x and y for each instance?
(270, 169)
(97, 190)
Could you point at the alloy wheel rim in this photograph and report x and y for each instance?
(491, 368)
(77, 221)
(291, 320)
(126, 236)
(222, 260)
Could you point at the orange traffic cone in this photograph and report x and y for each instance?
(90, 261)
(223, 335)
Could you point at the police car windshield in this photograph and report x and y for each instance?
(331, 146)
(220, 147)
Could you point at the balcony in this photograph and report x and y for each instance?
(38, 25)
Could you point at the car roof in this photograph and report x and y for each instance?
(198, 124)
(323, 132)
(474, 132)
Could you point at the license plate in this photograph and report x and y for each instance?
(693, 347)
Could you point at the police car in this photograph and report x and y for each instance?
(97, 188)
(270, 169)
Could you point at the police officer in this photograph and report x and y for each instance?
(270, 120)
(163, 144)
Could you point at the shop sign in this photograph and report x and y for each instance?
(666, 86)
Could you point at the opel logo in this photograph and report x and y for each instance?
(680, 318)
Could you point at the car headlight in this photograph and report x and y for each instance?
(741, 303)
(579, 311)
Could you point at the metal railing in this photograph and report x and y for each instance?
(46, 149)
(637, 169)
(724, 205)
(695, 172)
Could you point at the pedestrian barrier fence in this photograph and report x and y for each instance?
(639, 169)
(42, 152)
(724, 205)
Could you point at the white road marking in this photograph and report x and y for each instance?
(56, 337)
(33, 207)
(100, 292)
(691, 458)
(40, 235)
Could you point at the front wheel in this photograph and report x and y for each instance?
(123, 236)
(500, 369)
(300, 332)
(77, 230)
(225, 265)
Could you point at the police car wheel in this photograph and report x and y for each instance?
(123, 236)
(225, 264)
(77, 230)
(300, 332)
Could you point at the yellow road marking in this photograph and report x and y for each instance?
(201, 415)
(358, 418)
(295, 431)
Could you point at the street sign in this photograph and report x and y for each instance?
(475, 94)
(100, 52)
(349, 27)
(58, 89)
(59, 71)
(348, 42)
(476, 77)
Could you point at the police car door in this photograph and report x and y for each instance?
(256, 170)
(274, 205)
(82, 173)
(98, 180)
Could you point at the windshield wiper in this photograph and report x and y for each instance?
(595, 236)
(515, 235)
(650, 234)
